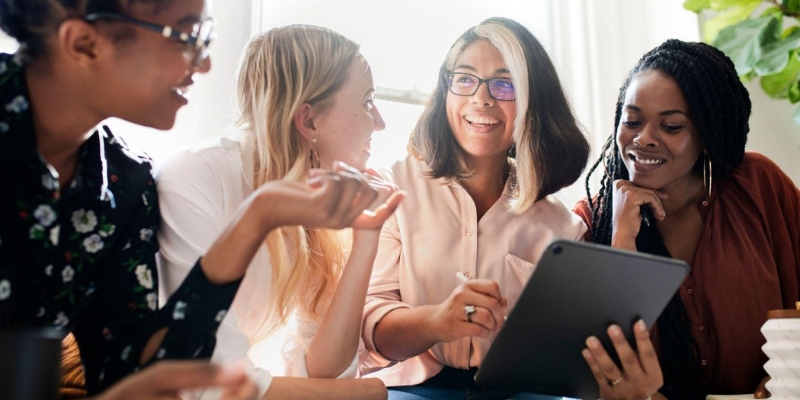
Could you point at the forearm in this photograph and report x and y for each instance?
(406, 332)
(336, 342)
(624, 242)
(227, 259)
(287, 388)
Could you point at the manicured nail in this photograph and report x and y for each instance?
(641, 326)
(615, 331)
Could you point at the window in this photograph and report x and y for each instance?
(405, 44)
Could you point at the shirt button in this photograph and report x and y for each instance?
(470, 232)
(690, 291)
(468, 275)
(701, 327)
(704, 362)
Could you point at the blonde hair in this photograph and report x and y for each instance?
(549, 151)
(281, 70)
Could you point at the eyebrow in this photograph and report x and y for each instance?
(498, 71)
(667, 112)
(189, 20)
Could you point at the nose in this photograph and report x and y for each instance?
(647, 136)
(482, 96)
(204, 66)
(378, 119)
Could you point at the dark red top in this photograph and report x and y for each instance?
(747, 262)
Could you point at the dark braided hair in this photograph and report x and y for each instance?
(719, 108)
(31, 22)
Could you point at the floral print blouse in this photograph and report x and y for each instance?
(81, 259)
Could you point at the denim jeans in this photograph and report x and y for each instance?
(458, 384)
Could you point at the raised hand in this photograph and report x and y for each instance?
(640, 376)
(628, 198)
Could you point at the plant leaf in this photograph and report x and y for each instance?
(696, 5)
(725, 19)
(794, 92)
(777, 85)
(776, 55)
(744, 42)
(724, 4)
(792, 5)
(776, 11)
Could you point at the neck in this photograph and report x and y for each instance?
(488, 179)
(684, 194)
(62, 118)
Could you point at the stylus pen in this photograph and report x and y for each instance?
(644, 211)
(463, 278)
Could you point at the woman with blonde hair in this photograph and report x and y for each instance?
(305, 95)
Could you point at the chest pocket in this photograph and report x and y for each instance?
(515, 277)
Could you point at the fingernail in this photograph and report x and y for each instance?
(586, 353)
(592, 342)
(641, 326)
(614, 331)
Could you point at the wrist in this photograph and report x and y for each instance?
(262, 209)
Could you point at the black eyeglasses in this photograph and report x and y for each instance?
(464, 84)
(198, 40)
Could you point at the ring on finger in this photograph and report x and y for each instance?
(615, 382)
(469, 310)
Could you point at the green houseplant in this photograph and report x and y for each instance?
(762, 38)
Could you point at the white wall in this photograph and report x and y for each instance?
(772, 131)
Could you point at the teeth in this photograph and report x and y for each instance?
(647, 161)
(181, 90)
(481, 120)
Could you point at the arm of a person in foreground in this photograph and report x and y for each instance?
(289, 388)
(170, 379)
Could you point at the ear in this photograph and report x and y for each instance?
(304, 122)
(80, 41)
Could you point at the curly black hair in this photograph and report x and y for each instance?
(719, 108)
(31, 22)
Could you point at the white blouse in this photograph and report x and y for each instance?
(199, 191)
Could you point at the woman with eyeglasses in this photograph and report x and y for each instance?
(79, 210)
(495, 140)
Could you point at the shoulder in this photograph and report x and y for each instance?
(757, 172)
(550, 211)
(409, 172)
(211, 160)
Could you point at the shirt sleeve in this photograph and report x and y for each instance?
(583, 210)
(383, 294)
(297, 339)
(123, 316)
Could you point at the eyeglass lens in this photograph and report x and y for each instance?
(466, 85)
(205, 33)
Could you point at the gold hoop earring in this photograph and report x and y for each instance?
(313, 155)
(708, 177)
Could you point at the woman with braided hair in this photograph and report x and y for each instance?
(678, 183)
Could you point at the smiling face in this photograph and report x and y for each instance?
(345, 128)
(657, 139)
(482, 125)
(150, 74)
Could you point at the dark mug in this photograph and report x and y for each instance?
(30, 362)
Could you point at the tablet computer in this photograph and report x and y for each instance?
(578, 289)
